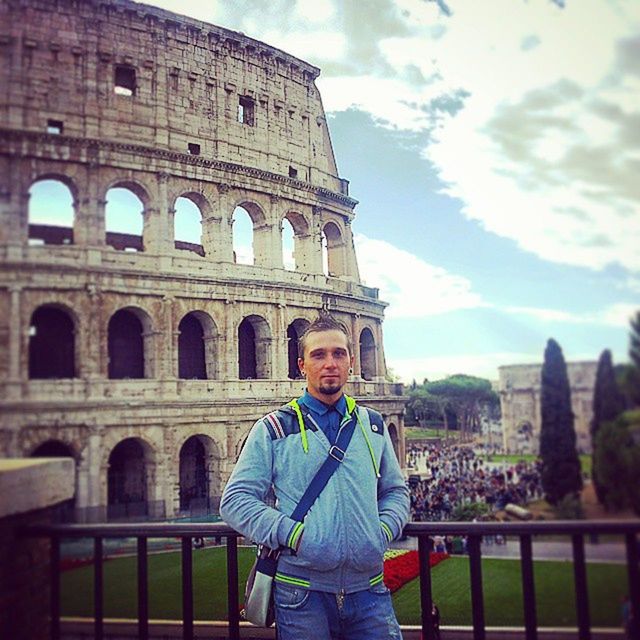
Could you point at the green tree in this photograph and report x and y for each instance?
(617, 455)
(467, 396)
(608, 403)
(560, 463)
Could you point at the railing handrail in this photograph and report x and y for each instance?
(203, 529)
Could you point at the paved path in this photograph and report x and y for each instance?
(543, 550)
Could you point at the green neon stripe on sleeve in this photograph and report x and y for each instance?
(387, 531)
(291, 580)
(295, 535)
(376, 579)
(303, 432)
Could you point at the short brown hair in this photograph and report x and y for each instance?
(324, 322)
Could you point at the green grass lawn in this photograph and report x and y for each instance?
(502, 590)
(418, 433)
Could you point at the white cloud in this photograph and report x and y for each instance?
(434, 368)
(615, 315)
(529, 111)
(413, 287)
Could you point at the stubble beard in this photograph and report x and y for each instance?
(329, 389)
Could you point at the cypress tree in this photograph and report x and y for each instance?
(561, 473)
(634, 341)
(608, 403)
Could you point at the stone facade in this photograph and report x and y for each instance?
(519, 390)
(93, 325)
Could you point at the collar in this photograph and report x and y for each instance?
(321, 408)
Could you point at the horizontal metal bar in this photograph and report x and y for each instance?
(182, 529)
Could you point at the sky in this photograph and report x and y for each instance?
(494, 149)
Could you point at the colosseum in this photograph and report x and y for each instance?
(143, 354)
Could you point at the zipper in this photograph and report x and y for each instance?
(340, 599)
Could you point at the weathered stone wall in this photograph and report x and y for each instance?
(36, 489)
(520, 389)
(60, 62)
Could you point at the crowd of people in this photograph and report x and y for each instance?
(447, 476)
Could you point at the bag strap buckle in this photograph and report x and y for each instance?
(336, 453)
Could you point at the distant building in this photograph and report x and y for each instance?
(519, 390)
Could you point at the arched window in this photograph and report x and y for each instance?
(288, 246)
(254, 341)
(187, 226)
(332, 250)
(242, 236)
(294, 331)
(127, 480)
(194, 481)
(124, 221)
(368, 365)
(191, 349)
(51, 344)
(126, 346)
(51, 213)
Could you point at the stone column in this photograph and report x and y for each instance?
(314, 257)
(217, 230)
(14, 207)
(355, 338)
(229, 366)
(381, 365)
(91, 336)
(89, 228)
(158, 233)
(280, 368)
(16, 334)
(167, 368)
(351, 262)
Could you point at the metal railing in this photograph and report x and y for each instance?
(574, 530)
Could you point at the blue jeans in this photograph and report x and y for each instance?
(365, 615)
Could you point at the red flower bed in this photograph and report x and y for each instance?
(403, 568)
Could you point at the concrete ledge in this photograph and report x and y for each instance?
(82, 628)
(29, 484)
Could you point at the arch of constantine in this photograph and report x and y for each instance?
(520, 390)
(144, 356)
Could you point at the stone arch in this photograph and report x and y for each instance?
(197, 346)
(253, 250)
(294, 331)
(199, 481)
(300, 230)
(254, 348)
(123, 230)
(333, 256)
(52, 342)
(187, 221)
(130, 477)
(368, 355)
(52, 209)
(130, 344)
(395, 440)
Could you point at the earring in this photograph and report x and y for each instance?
(350, 371)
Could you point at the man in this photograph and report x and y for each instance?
(329, 579)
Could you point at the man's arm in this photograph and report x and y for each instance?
(393, 494)
(243, 504)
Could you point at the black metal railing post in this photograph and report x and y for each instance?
(633, 573)
(232, 588)
(426, 597)
(55, 588)
(528, 588)
(98, 589)
(582, 593)
(143, 590)
(187, 589)
(477, 599)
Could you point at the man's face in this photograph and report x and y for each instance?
(326, 364)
